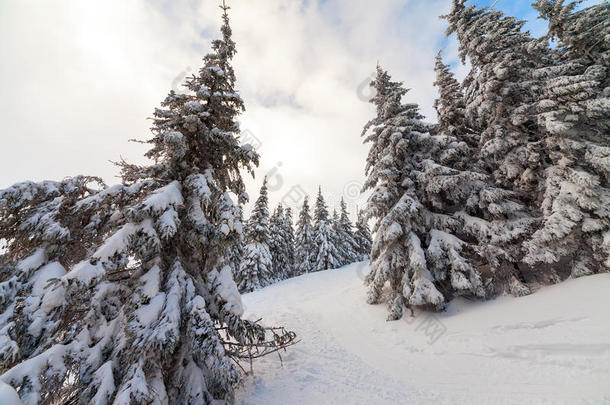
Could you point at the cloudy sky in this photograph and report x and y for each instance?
(78, 78)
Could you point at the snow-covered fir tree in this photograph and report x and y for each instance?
(288, 232)
(281, 245)
(500, 92)
(573, 109)
(305, 244)
(326, 254)
(362, 238)
(256, 268)
(582, 33)
(346, 243)
(500, 106)
(544, 118)
(125, 295)
(417, 249)
(449, 105)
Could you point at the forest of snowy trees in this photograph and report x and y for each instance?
(509, 190)
(131, 293)
(275, 251)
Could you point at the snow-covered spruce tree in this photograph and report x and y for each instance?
(334, 236)
(288, 232)
(280, 246)
(415, 248)
(256, 268)
(362, 238)
(583, 33)
(449, 105)
(501, 105)
(574, 114)
(500, 92)
(326, 254)
(346, 243)
(43, 234)
(150, 313)
(305, 244)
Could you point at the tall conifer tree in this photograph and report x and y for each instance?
(126, 295)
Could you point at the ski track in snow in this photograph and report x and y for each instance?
(551, 347)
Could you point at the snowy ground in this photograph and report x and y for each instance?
(552, 347)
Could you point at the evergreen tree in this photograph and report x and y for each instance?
(582, 34)
(305, 244)
(288, 232)
(346, 243)
(500, 92)
(362, 238)
(573, 108)
(327, 255)
(449, 105)
(126, 295)
(281, 245)
(416, 248)
(500, 106)
(256, 268)
(543, 115)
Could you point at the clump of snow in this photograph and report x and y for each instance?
(8, 396)
(32, 262)
(150, 282)
(85, 272)
(228, 291)
(44, 274)
(165, 196)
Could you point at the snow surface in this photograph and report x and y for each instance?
(551, 347)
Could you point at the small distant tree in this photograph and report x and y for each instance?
(362, 238)
(256, 268)
(236, 250)
(288, 232)
(305, 244)
(346, 243)
(281, 244)
(327, 255)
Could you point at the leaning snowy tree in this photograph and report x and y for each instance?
(573, 110)
(544, 117)
(256, 268)
(125, 295)
(498, 95)
(500, 104)
(326, 255)
(305, 245)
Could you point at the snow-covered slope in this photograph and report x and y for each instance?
(552, 347)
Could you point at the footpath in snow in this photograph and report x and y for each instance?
(551, 347)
